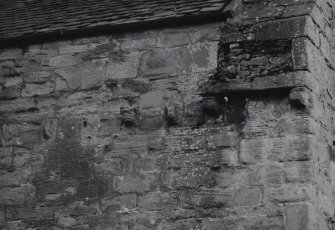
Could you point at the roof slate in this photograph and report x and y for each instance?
(19, 18)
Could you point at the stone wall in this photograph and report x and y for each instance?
(278, 57)
(217, 126)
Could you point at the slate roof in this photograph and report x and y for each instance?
(19, 18)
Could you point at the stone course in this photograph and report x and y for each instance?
(226, 125)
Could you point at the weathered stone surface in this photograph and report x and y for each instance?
(286, 29)
(66, 221)
(123, 66)
(160, 62)
(37, 77)
(135, 183)
(217, 126)
(82, 76)
(37, 89)
(300, 216)
(18, 195)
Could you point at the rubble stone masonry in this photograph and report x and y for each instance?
(220, 126)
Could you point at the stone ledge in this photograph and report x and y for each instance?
(280, 81)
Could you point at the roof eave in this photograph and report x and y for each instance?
(48, 36)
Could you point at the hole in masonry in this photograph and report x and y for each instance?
(227, 108)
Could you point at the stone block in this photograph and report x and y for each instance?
(205, 33)
(123, 66)
(37, 76)
(25, 194)
(157, 201)
(299, 172)
(66, 221)
(202, 157)
(246, 196)
(30, 135)
(327, 204)
(236, 37)
(37, 89)
(252, 151)
(19, 176)
(10, 54)
(291, 147)
(325, 47)
(286, 29)
(208, 199)
(137, 85)
(118, 203)
(138, 44)
(287, 2)
(246, 222)
(229, 139)
(298, 10)
(172, 39)
(299, 54)
(64, 60)
(289, 193)
(13, 81)
(300, 216)
(262, 12)
(187, 224)
(198, 57)
(109, 125)
(229, 156)
(160, 62)
(8, 68)
(191, 142)
(188, 178)
(220, 224)
(266, 174)
(110, 166)
(11, 92)
(20, 135)
(153, 99)
(82, 76)
(15, 225)
(135, 183)
(61, 85)
(152, 119)
(264, 222)
(69, 48)
(231, 178)
(145, 164)
(9, 133)
(285, 80)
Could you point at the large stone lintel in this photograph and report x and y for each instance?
(280, 81)
(277, 30)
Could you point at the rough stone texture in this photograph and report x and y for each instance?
(21, 18)
(222, 126)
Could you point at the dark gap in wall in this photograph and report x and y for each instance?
(27, 110)
(169, 121)
(129, 117)
(226, 108)
(331, 150)
(230, 107)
